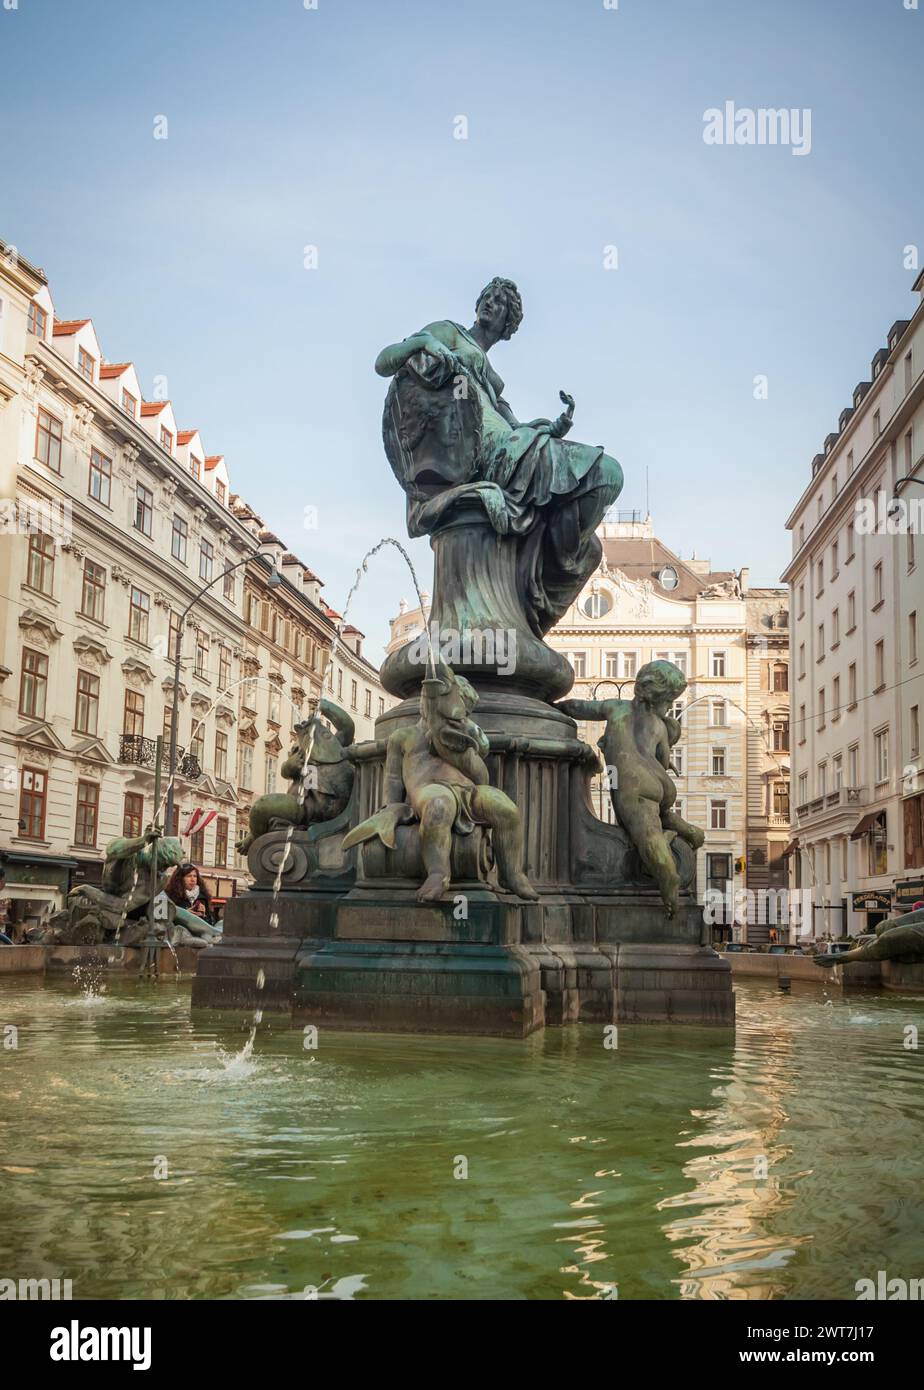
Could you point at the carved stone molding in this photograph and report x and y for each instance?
(199, 701)
(72, 548)
(137, 672)
(250, 734)
(225, 715)
(121, 576)
(167, 687)
(91, 650)
(35, 374)
(83, 418)
(38, 628)
(162, 600)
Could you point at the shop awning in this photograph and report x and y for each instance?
(864, 826)
(791, 847)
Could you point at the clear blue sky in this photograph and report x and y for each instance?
(334, 127)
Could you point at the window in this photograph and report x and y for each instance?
(718, 871)
(173, 635)
(38, 319)
(877, 839)
(881, 756)
(179, 539)
(611, 665)
(822, 779)
(834, 565)
(802, 723)
(93, 593)
(86, 715)
(910, 550)
(915, 724)
(228, 585)
(718, 762)
(879, 664)
(220, 492)
(821, 641)
(340, 684)
(40, 563)
(851, 542)
(129, 403)
(224, 667)
(33, 684)
(718, 815)
(144, 509)
(100, 485)
(221, 842)
(801, 609)
(274, 706)
(630, 665)
(269, 772)
(202, 654)
(133, 714)
(166, 439)
(877, 584)
(913, 809)
(367, 708)
(719, 714)
(877, 424)
(133, 815)
(197, 847)
(87, 814)
(245, 766)
(139, 608)
(801, 659)
(352, 694)
(381, 704)
(718, 664)
(821, 708)
(803, 788)
(802, 535)
(197, 742)
(579, 662)
(780, 682)
(851, 610)
(32, 797)
(853, 765)
(909, 375)
(168, 725)
(835, 627)
(836, 698)
(781, 800)
(913, 637)
(677, 759)
(819, 577)
(48, 435)
(195, 467)
(781, 735)
(837, 771)
(206, 561)
(221, 755)
(85, 363)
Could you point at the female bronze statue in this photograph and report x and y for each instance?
(462, 457)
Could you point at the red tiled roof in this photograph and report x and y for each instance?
(213, 460)
(184, 436)
(63, 328)
(153, 407)
(111, 369)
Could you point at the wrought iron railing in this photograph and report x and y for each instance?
(142, 752)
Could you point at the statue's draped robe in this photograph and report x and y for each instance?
(440, 434)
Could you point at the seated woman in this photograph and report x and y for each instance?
(452, 439)
(191, 900)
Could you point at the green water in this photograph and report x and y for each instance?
(589, 1169)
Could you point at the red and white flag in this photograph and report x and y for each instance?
(199, 819)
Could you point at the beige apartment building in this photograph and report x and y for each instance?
(857, 596)
(116, 521)
(732, 641)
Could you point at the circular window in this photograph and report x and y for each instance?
(668, 578)
(596, 605)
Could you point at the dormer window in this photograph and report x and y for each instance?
(38, 319)
(85, 364)
(195, 467)
(166, 439)
(220, 492)
(129, 404)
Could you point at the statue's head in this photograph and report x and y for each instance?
(446, 702)
(499, 307)
(659, 684)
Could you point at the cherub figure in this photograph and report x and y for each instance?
(435, 773)
(636, 746)
(319, 774)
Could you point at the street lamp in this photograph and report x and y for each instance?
(273, 581)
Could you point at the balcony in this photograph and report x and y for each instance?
(841, 796)
(138, 751)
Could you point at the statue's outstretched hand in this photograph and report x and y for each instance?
(560, 427)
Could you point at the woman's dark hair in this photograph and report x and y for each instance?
(514, 303)
(176, 890)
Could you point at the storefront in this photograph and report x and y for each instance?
(35, 888)
(908, 891)
(876, 903)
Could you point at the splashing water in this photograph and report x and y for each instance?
(89, 979)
